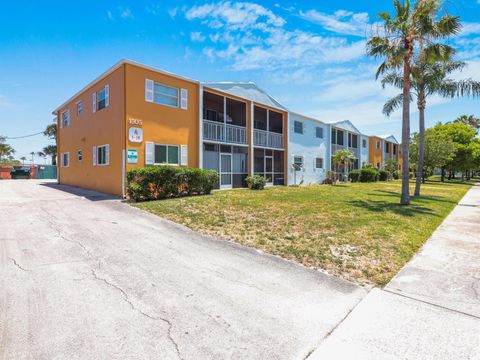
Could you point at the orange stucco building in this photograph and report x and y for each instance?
(382, 148)
(134, 115)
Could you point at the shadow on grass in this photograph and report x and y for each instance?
(428, 198)
(385, 206)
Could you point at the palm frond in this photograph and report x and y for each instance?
(392, 104)
(451, 88)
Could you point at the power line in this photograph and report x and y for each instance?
(21, 137)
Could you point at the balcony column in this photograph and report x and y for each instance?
(251, 136)
(224, 118)
(200, 127)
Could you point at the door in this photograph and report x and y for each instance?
(225, 171)
(269, 169)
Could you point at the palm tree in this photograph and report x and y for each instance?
(51, 131)
(403, 34)
(33, 154)
(429, 76)
(51, 150)
(470, 120)
(343, 159)
(6, 150)
(23, 158)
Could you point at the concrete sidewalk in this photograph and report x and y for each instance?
(431, 309)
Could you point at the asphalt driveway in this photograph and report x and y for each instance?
(84, 276)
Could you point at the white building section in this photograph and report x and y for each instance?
(308, 147)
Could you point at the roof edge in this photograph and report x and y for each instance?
(115, 67)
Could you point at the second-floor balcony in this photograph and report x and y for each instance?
(268, 139)
(216, 131)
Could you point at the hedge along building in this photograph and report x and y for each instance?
(383, 148)
(134, 115)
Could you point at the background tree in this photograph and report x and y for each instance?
(32, 154)
(51, 150)
(391, 166)
(439, 150)
(343, 159)
(470, 120)
(23, 158)
(5, 150)
(403, 33)
(462, 136)
(51, 131)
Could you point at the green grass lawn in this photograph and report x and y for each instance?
(356, 231)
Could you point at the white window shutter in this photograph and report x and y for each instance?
(107, 154)
(184, 99)
(184, 155)
(148, 90)
(149, 153)
(94, 102)
(107, 95)
(94, 156)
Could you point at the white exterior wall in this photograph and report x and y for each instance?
(364, 151)
(309, 147)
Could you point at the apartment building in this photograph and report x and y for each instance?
(345, 136)
(383, 148)
(134, 115)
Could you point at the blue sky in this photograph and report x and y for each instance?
(310, 55)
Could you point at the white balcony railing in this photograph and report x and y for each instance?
(267, 139)
(224, 133)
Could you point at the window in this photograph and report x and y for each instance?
(298, 160)
(337, 137)
(101, 100)
(79, 108)
(165, 95)
(298, 127)
(103, 155)
(319, 132)
(65, 120)
(65, 159)
(394, 149)
(364, 143)
(210, 115)
(166, 154)
(319, 163)
(79, 155)
(352, 140)
(378, 145)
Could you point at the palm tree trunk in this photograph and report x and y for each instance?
(421, 145)
(54, 159)
(442, 176)
(405, 196)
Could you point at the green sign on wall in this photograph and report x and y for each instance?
(132, 156)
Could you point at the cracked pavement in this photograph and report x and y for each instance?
(85, 276)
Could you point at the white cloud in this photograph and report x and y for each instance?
(253, 37)
(197, 36)
(120, 12)
(234, 16)
(341, 22)
(173, 12)
(469, 28)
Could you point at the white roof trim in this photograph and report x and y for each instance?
(309, 118)
(115, 67)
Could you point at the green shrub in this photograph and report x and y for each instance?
(256, 182)
(396, 175)
(368, 175)
(383, 175)
(159, 182)
(354, 175)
